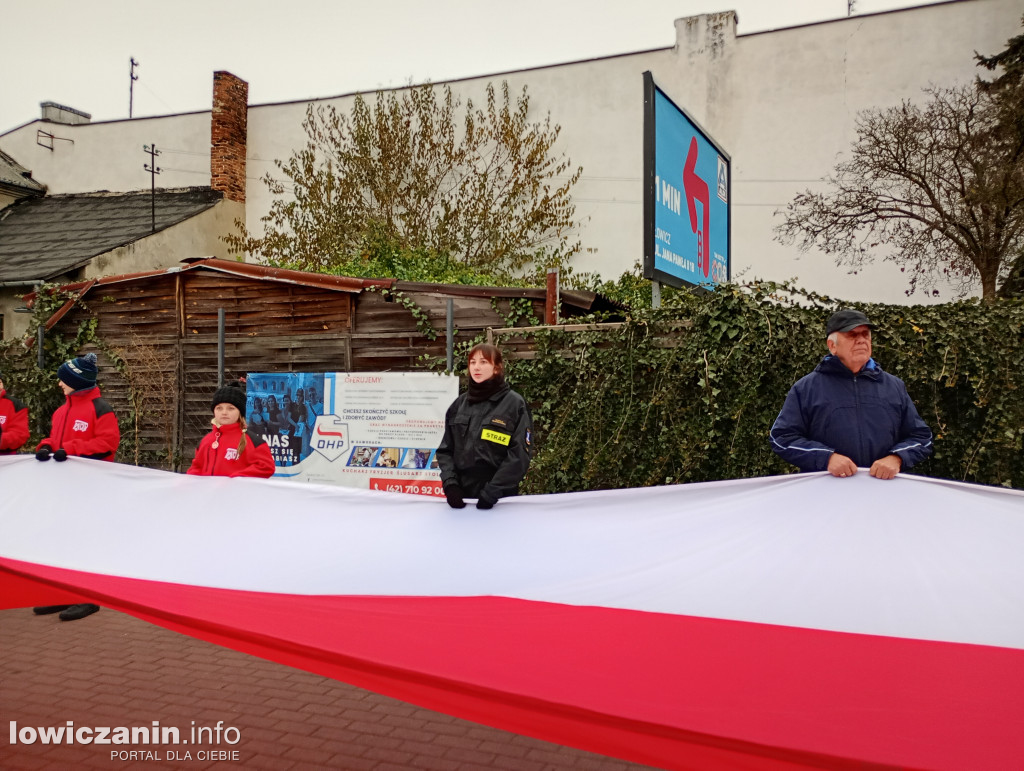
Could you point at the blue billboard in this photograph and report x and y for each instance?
(686, 197)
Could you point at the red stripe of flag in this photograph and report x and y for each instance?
(667, 690)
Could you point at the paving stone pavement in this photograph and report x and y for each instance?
(112, 669)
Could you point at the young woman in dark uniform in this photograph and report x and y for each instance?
(486, 446)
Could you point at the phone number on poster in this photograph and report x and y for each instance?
(412, 487)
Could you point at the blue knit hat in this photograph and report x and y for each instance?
(79, 373)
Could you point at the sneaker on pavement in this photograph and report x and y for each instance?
(45, 610)
(78, 611)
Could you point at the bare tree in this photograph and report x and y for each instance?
(937, 189)
(1007, 92)
(148, 370)
(485, 188)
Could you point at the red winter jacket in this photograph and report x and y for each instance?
(13, 424)
(84, 425)
(224, 460)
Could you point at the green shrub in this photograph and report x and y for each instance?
(688, 393)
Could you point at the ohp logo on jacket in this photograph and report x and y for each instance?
(80, 425)
(330, 437)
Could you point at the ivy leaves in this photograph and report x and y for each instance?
(37, 387)
(688, 393)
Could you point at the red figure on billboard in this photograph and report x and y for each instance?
(697, 190)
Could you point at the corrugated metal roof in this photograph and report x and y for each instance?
(42, 238)
(587, 301)
(247, 270)
(302, 278)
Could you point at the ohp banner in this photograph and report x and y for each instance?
(767, 623)
(375, 430)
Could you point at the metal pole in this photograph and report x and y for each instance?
(152, 200)
(450, 333)
(131, 86)
(220, 347)
(153, 170)
(40, 340)
(655, 295)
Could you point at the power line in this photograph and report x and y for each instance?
(157, 97)
(206, 154)
(201, 153)
(204, 172)
(183, 171)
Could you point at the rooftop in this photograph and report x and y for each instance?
(44, 237)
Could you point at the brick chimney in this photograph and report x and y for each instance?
(228, 135)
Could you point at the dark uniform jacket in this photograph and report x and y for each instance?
(486, 445)
(864, 416)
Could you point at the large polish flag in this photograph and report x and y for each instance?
(771, 623)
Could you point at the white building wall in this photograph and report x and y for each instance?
(197, 236)
(792, 117)
(109, 155)
(781, 103)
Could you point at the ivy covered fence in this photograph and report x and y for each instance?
(689, 392)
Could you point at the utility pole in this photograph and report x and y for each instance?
(131, 86)
(153, 170)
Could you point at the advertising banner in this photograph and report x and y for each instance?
(686, 197)
(374, 430)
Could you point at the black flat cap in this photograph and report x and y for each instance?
(845, 320)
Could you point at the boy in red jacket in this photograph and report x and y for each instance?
(13, 422)
(228, 450)
(86, 426)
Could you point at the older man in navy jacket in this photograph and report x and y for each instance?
(848, 413)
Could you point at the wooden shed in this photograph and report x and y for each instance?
(157, 335)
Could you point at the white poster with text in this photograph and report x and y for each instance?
(374, 430)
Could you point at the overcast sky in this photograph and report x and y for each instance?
(77, 52)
